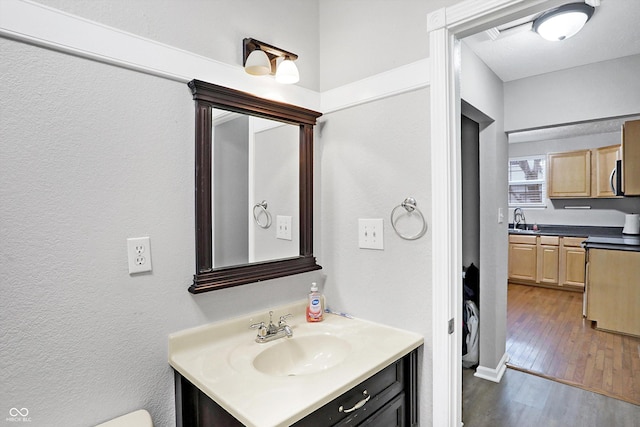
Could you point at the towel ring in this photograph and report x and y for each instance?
(263, 206)
(409, 204)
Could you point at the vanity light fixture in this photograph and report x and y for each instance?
(562, 22)
(261, 58)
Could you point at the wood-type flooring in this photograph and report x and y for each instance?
(547, 336)
(525, 400)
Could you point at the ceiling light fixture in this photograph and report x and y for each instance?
(562, 22)
(260, 59)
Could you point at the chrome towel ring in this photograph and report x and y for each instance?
(410, 205)
(263, 209)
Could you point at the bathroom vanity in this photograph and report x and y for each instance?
(338, 372)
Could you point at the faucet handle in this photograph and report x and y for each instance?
(283, 318)
(261, 327)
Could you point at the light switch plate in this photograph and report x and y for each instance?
(370, 233)
(283, 230)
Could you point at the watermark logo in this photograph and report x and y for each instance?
(18, 415)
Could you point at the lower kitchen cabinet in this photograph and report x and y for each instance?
(548, 256)
(523, 256)
(572, 262)
(613, 292)
(549, 261)
(388, 398)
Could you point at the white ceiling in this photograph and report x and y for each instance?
(612, 32)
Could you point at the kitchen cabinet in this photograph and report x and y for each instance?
(523, 256)
(569, 174)
(582, 173)
(547, 262)
(613, 293)
(388, 398)
(572, 262)
(631, 158)
(551, 261)
(604, 163)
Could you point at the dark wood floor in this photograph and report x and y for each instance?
(525, 400)
(547, 335)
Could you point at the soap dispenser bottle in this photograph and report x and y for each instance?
(314, 307)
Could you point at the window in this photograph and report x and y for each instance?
(527, 183)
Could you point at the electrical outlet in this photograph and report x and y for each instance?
(283, 230)
(370, 234)
(139, 254)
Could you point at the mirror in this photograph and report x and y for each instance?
(267, 127)
(255, 189)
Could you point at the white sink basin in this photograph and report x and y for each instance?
(277, 383)
(304, 355)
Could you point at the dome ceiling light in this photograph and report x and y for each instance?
(562, 22)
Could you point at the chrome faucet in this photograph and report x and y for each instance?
(518, 218)
(272, 332)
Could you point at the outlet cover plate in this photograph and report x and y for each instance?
(370, 233)
(139, 254)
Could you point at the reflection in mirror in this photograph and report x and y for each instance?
(254, 160)
(269, 175)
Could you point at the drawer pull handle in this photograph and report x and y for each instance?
(358, 405)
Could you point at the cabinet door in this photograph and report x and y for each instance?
(547, 265)
(604, 163)
(613, 294)
(569, 174)
(631, 158)
(522, 261)
(572, 265)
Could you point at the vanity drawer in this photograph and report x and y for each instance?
(381, 389)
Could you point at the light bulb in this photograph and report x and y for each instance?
(287, 72)
(257, 63)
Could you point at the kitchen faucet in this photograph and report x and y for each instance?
(272, 332)
(518, 218)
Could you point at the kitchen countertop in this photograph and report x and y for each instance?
(569, 230)
(595, 237)
(219, 359)
(618, 243)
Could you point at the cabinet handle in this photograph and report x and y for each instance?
(613, 188)
(358, 405)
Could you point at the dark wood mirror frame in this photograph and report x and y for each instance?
(207, 97)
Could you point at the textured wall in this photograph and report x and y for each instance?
(372, 157)
(93, 154)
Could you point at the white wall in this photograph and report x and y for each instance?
(362, 38)
(482, 89)
(595, 91)
(371, 159)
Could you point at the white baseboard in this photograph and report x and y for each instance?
(493, 374)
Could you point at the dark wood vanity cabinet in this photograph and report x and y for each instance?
(392, 393)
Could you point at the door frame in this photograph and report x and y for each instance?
(446, 27)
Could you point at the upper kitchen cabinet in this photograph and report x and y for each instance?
(569, 174)
(583, 173)
(603, 166)
(631, 158)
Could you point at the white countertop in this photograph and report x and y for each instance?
(218, 359)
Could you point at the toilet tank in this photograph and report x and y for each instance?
(139, 418)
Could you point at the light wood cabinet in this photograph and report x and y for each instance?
(548, 256)
(603, 165)
(582, 173)
(613, 293)
(569, 174)
(523, 255)
(572, 262)
(550, 261)
(631, 158)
